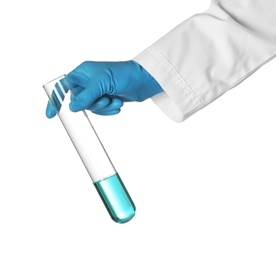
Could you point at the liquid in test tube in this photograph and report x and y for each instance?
(91, 151)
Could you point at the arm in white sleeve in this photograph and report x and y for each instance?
(210, 53)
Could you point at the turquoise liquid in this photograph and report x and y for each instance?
(116, 198)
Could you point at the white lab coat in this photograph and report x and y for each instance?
(210, 53)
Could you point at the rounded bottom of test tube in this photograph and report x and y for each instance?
(116, 198)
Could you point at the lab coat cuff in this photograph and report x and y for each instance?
(178, 101)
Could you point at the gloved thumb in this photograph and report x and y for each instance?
(89, 95)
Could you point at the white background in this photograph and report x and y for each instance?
(204, 189)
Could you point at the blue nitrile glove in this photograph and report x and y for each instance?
(103, 87)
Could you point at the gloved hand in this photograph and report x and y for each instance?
(103, 87)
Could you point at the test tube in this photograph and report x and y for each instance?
(91, 151)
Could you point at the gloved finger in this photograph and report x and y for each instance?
(77, 77)
(114, 105)
(76, 91)
(94, 90)
(50, 110)
(57, 97)
(100, 103)
(108, 113)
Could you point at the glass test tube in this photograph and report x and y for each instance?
(91, 151)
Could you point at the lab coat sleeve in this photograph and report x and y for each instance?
(210, 53)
